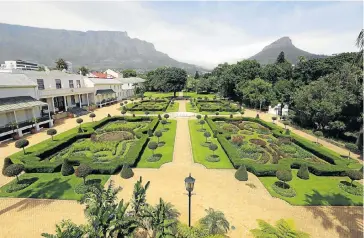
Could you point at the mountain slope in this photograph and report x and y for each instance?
(269, 53)
(94, 49)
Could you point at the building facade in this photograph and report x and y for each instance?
(18, 64)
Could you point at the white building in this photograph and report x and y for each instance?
(105, 90)
(113, 73)
(20, 111)
(129, 84)
(10, 65)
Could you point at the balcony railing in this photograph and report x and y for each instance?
(63, 92)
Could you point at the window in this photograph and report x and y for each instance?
(58, 83)
(71, 83)
(78, 83)
(73, 101)
(40, 83)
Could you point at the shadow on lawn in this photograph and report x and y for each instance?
(51, 189)
(350, 219)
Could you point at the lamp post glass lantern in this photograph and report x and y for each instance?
(189, 183)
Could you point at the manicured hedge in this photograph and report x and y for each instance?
(161, 105)
(337, 167)
(35, 161)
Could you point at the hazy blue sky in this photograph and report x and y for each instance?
(204, 33)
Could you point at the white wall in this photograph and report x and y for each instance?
(18, 91)
(21, 115)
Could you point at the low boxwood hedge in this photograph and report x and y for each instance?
(36, 161)
(337, 165)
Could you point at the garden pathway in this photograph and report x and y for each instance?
(242, 202)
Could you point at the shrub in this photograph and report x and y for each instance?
(83, 171)
(215, 133)
(92, 116)
(257, 116)
(22, 143)
(354, 175)
(126, 172)
(152, 145)
(318, 134)
(67, 168)
(207, 135)
(17, 186)
(216, 113)
(133, 115)
(286, 191)
(14, 170)
(303, 172)
(237, 140)
(258, 142)
(287, 132)
(150, 133)
(164, 122)
(121, 104)
(205, 117)
(159, 117)
(241, 174)
(231, 116)
(285, 123)
(213, 147)
(198, 117)
(93, 137)
(202, 122)
(274, 119)
(146, 113)
(158, 134)
(166, 116)
(7, 163)
(284, 176)
(79, 121)
(51, 132)
(123, 112)
(355, 190)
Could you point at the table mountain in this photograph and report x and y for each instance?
(269, 53)
(94, 49)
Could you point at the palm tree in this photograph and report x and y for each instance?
(139, 196)
(161, 219)
(61, 64)
(215, 222)
(360, 45)
(67, 229)
(282, 229)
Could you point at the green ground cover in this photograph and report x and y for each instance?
(200, 152)
(52, 186)
(168, 137)
(318, 190)
(190, 108)
(198, 95)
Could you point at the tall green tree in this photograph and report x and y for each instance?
(280, 58)
(197, 75)
(127, 73)
(174, 80)
(83, 70)
(257, 92)
(360, 45)
(61, 64)
(215, 222)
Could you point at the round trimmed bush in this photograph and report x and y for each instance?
(166, 116)
(146, 113)
(158, 134)
(217, 113)
(67, 168)
(7, 163)
(164, 122)
(207, 135)
(79, 120)
(14, 170)
(284, 176)
(123, 112)
(213, 158)
(83, 171)
(241, 174)
(285, 123)
(150, 132)
(21, 144)
(126, 172)
(152, 145)
(283, 189)
(274, 119)
(303, 172)
(198, 117)
(231, 116)
(213, 147)
(354, 175)
(257, 116)
(51, 132)
(92, 116)
(159, 117)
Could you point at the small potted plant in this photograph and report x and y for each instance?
(33, 130)
(13, 126)
(70, 115)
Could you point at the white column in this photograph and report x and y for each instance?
(54, 109)
(88, 101)
(50, 119)
(16, 121)
(65, 102)
(79, 100)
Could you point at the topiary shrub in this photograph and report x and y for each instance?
(241, 174)
(150, 132)
(83, 171)
(207, 135)
(166, 116)
(257, 116)
(67, 168)
(284, 176)
(126, 172)
(14, 170)
(7, 163)
(354, 175)
(108, 115)
(231, 116)
(202, 122)
(92, 116)
(152, 145)
(274, 119)
(198, 117)
(303, 172)
(133, 115)
(213, 147)
(158, 134)
(285, 123)
(79, 121)
(22, 143)
(216, 113)
(159, 117)
(51, 132)
(215, 133)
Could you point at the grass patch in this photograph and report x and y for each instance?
(200, 152)
(51, 186)
(166, 150)
(318, 190)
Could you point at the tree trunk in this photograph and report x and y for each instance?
(52, 138)
(174, 94)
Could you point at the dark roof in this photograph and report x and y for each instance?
(104, 91)
(21, 102)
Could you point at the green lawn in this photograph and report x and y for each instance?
(167, 150)
(196, 95)
(159, 95)
(51, 186)
(200, 152)
(173, 108)
(318, 190)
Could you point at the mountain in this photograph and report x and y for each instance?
(270, 53)
(95, 49)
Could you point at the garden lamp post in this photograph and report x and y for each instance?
(189, 183)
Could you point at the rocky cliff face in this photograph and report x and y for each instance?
(94, 49)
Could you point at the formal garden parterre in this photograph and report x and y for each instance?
(151, 105)
(102, 147)
(213, 105)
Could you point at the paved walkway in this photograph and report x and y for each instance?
(218, 189)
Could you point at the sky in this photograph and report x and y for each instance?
(205, 33)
